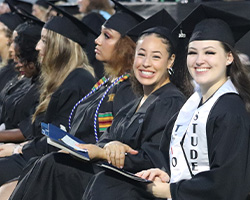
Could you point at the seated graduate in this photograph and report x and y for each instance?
(8, 22)
(208, 147)
(19, 106)
(136, 129)
(17, 85)
(65, 77)
(106, 98)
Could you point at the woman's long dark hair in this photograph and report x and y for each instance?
(239, 75)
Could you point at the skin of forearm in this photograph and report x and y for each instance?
(12, 135)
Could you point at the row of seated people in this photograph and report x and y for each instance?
(127, 117)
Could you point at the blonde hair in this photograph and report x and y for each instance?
(62, 56)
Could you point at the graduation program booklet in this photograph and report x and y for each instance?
(123, 172)
(63, 140)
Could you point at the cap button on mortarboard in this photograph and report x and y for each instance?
(207, 23)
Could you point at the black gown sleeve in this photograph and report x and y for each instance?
(13, 95)
(70, 92)
(7, 73)
(228, 129)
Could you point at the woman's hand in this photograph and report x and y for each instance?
(152, 174)
(159, 189)
(160, 186)
(7, 149)
(116, 151)
(94, 151)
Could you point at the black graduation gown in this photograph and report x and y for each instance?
(27, 107)
(141, 130)
(13, 91)
(7, 73)
(228, 129)
(18, 109)
(78, 83)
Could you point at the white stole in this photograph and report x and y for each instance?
(190, 130)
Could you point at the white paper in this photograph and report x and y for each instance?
(72, 143)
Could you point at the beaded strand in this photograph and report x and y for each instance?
(96, 87)
(100, 102)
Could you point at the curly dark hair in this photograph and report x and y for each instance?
(26, 44)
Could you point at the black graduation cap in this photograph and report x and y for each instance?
(69, 8)
(24, 15)
(123, 20)
(160, 19)
(207, 23)
(55, 1)
(42, 3)
(11, 20)
(69, 26)
(21, 4)
(31, 18)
